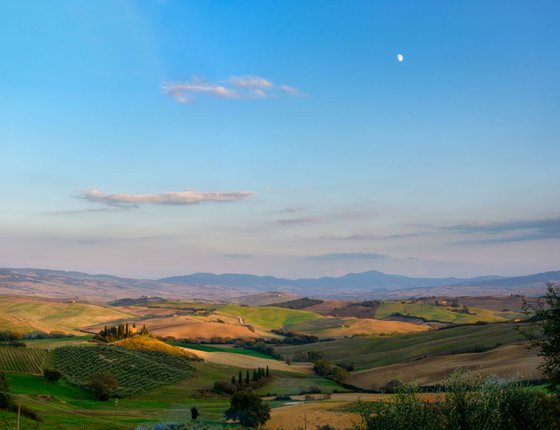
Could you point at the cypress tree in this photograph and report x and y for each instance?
(240, 379)
(255, 377)
(267, 372)
(247, 378)
(233, 380)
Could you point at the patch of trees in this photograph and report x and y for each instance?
(292, 338)
(119, 332)
(299, 303)
(324, 367)
(143, 300)
(262, 348)
(243, 381)
(308, 356)
(368, 303)
(7, 335)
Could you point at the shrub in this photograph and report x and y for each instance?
(52, 375)
(102, 386)
(467, 404)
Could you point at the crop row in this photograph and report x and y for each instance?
(21, 359)
(134, 370)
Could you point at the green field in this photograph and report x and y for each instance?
(270, 317)
(134, 370)
(65, 406)
(24, 360)
(432, 312)
(218, 348)
(374, 351)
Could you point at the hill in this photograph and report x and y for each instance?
(134, 370)
(149, 343)
(367, 352)
(23, 314)
(508, 361)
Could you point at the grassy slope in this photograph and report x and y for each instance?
(339, 327)
(148, 343)
(369, 352)
(436, 313)
(29, 314)
(508, 361)
(270, 317)
(216, 348)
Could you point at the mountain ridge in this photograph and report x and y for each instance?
(222, 287)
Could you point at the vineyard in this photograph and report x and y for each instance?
(23, 360)
(134, 370)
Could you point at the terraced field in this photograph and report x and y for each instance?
(23, 360)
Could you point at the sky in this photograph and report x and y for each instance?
(158, 138)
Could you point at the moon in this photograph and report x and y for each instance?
(400, 58)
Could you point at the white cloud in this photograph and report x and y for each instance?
(183, 91)
(168, 198)
(235, 87)
(288, 89)
(248, 81)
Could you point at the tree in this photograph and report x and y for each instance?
(52, 375)
(5, 398)
(102, 385)
(544, 334)
(248, 409)
(194, 413)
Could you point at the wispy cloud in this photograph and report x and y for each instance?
(350, 256)
(511, 231)
(238, 256)
(371, 236)
(88, 211)
(296, 221)
(177, 198)
(249, 81)
(235, 87)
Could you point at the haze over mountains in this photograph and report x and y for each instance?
(208, 286)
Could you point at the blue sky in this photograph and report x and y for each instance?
(164, 137)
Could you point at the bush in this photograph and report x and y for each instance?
(102, 385)
(468, 404)
(52, 375)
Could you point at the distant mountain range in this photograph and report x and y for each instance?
(208, 286)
